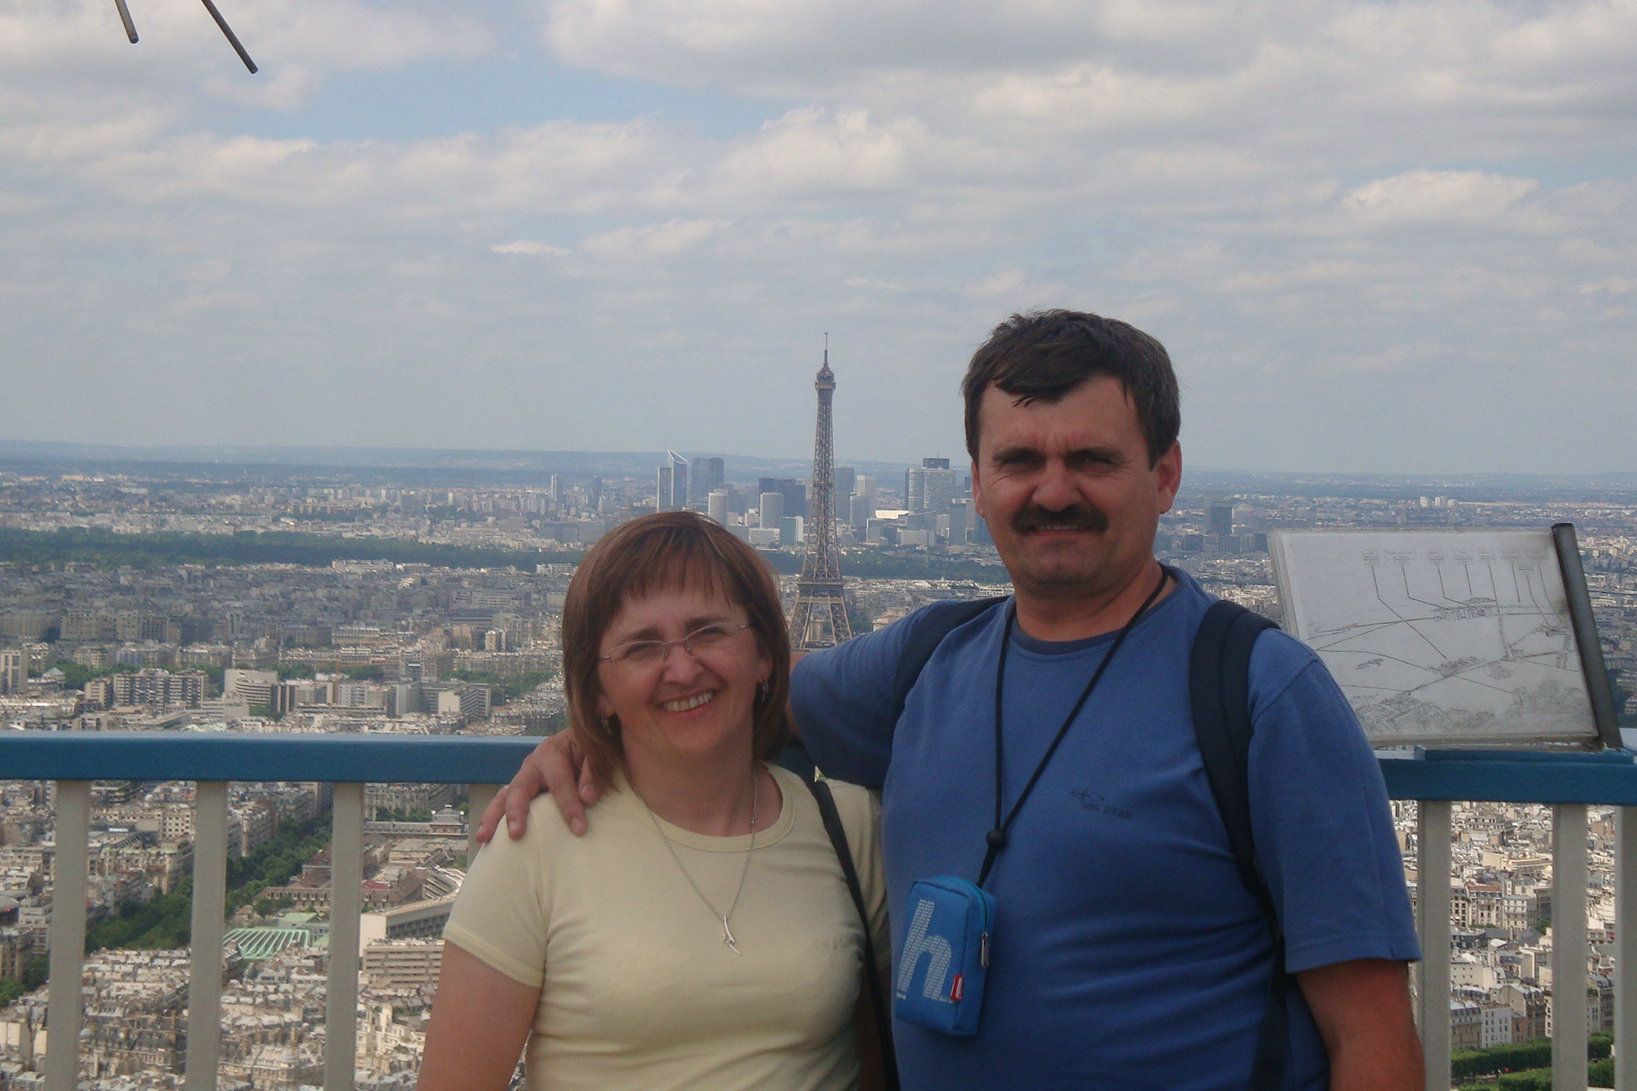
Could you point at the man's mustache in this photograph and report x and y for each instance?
(1034, 518)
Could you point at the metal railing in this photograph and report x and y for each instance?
(1567, 782)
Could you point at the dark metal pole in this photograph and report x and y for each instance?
(125, 17)
(231, 37)
(1604, 715)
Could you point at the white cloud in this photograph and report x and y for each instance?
(531, 248)
(1003, 282)
(874, 284)
(664, 240)
(1424, 196)
(1098, 97)
(1312, 274)
(1588, 251)
(810, 151)
(1013, 290)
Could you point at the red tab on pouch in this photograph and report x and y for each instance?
(955, 989)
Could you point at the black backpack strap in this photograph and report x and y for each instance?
(872, 977)
(1219, 698)
(928, 629)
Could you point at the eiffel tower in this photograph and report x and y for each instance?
(820, 617)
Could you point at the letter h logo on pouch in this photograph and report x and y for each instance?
(937, 952)
(945, 956)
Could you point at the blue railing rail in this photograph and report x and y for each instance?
(1607, 778)
(338, 759)
(1569, 782)
(1604, 778)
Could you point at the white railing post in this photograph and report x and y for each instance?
(1432, 922)
(1625, 948)
(209, 929)
(346, 904)
(65, 1006)
(1570, 879)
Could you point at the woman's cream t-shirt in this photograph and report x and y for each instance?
(637, 988)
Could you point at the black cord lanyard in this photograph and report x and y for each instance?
(997, 836)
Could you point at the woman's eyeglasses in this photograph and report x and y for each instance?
(651, 653)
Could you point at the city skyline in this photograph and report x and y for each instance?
(1382, 238)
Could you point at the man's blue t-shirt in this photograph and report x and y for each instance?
(1127, 951)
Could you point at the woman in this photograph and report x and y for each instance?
(700, 935)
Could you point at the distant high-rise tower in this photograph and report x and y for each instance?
(704, 474)
(671, 489)
(793, 491)
(1220, 517)
(716, 505)
(13, 670)
(770, 510)
(931, 486)
(820, 618)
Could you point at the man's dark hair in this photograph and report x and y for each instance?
(1046, 354)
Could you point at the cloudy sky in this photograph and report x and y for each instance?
(1375, 236)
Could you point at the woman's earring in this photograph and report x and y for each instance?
(763, 692)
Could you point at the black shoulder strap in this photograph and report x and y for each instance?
(1219, 699)
(872, 977)
(928, 629)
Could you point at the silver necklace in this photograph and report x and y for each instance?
(727, 932)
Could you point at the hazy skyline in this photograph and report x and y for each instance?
(1392, 237)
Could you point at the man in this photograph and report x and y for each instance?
(1128, 951)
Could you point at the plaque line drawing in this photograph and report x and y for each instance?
(1464, 638)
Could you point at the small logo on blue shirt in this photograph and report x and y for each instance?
(1096, 803)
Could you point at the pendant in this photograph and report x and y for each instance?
(727, 937)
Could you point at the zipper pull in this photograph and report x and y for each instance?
(983, 949)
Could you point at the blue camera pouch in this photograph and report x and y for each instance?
(944, 958)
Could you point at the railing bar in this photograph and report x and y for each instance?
(209, 930)
(1570, 880)
(65, 1004)
(346, 904)
(1432, 922)
(1625, 939)
(477, 799)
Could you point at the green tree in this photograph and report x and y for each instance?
(505, 687)
(75, 675)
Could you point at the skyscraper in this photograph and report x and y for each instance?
(1220, 518)
(671, 489)
(820, 618)
(793, 491)
(770, 509)
(861, 505)
(931, 486)
(13, 670)
(704, 474)
(716, 505)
